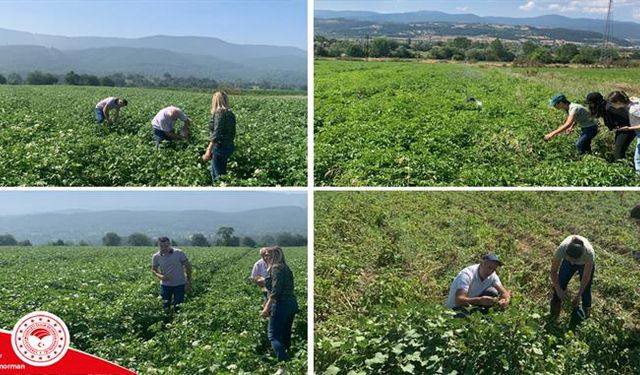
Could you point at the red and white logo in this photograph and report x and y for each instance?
(40, 339)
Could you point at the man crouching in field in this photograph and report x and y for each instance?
(164, 122)
(104, 107)
(172, 267)
(478, 285)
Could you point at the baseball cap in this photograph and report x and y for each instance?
(557, 99)
(492, 257)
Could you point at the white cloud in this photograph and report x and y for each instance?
(554, 7)
(528, 6)
(636, 14)
(462, 9)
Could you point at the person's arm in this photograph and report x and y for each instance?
(187, 270)
(586, 277)
(553, 274)
(567, 125)
(156, 272)
(463, 299)
(115, 116)
(214, 126)
(505, 296)
(629, 128)
(276, 290)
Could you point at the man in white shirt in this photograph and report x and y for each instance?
(164, 122)
(478, 285)
(105, 106)
(259, 273)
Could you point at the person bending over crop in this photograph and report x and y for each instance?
(620, 100)
(281, 305)
(222, 128)
(172, 268)
(577, 115)
(614, 119)
(164, 122)
(634, 214)
(259, 273)
(478, 285)
(106, 105)
(574, 254)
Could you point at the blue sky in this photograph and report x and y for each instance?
(273, 22)
(624, 10)
(23, 202)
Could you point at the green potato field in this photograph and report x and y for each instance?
(384, 262)
(110, 301)
(49, 137)
(409, 124)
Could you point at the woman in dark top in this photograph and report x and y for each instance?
(222, 127)
(281, 306)
(613, 119)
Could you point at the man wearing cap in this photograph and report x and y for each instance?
(478, 285)
(574, 254)
(172, 268)
(577, 114)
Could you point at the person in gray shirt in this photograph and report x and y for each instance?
(172, 268)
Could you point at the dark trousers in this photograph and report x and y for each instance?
(567, 270)
(219, 159)
(584, 141)
(171, 295)
(622, 143)
(280, 324)
(159, 136)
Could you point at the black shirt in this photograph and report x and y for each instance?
(222, 128)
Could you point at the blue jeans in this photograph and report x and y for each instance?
(219, 159)
(171, 295)
(584, 141)
(159, 136)
(567, 270)
(99, 116)
(280, 323)
(636, 156)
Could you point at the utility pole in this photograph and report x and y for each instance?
(606, 55)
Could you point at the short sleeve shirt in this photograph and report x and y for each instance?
(108, 103)
(469, 280)
(163, 122)
(582, 116)
(259, 269)
(171, 265)
(634, 113)
(587, 255)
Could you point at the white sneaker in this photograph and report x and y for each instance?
(280, 372)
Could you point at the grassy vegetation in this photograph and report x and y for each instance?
(384, 262)
(408, 124)
(110, 301)
(49, 137)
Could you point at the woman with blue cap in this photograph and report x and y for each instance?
(577, 114)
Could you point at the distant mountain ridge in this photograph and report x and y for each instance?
(178, 55)
(622, 30)
(92, 225)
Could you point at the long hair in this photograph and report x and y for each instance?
(618, 97)
(219, 101)
(277, 256)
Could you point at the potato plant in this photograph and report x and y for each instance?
(110, 301)
(384, 262)
(415, 124)
(49, 137)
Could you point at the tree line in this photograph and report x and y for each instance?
(38, 77)
(223, 237)
(465, 49)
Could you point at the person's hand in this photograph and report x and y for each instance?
(266, 311)
(576, 300)
(164, 277)
(486, 301)
(568, 131)
(503, 303)
(562, 294)
(206, 156)
(548, 136)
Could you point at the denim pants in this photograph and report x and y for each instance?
(636, 157)
(99, 116)
(567, 270)
(159, 136)
(171, 295)
(584, 141)
(280, 323)
(219, 159)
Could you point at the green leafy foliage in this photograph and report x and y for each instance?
(110, 301)
(409, 124)
(48, 137)
(384, 262)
